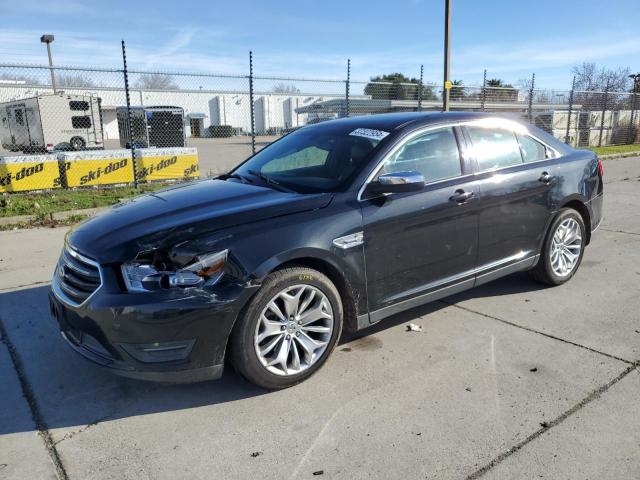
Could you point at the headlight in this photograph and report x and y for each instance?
(205, 269)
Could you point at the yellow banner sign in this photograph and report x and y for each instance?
(33, 172)
(84, 169)
(166, 163)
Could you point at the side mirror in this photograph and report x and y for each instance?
(396, 182)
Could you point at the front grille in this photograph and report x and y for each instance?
(77, 276)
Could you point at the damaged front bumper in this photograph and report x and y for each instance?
(177, 335)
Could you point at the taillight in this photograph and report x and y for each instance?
(600, 167)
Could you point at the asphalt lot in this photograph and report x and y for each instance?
(510, 380)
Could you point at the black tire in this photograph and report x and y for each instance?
(77, 143)
(543, 272)
(242, 351)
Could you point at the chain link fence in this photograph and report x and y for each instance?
(67, 127)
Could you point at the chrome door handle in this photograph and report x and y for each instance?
(545, 177)
(460, 197)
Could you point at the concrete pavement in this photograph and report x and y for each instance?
(509, 380)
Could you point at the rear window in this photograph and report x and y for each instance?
(494, 148)
(79, 105)
(81, 122)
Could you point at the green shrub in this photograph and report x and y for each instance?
(221, 131)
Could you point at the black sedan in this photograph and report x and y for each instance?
(332, 227)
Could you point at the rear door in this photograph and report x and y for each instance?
(515, 195)
(19, 125)
(420, 242)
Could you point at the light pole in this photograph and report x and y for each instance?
(48, 39)
(447, 56)
(634, 93)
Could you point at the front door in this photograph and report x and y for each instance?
(420, 242)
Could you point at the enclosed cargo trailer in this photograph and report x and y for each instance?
(51, 122)
(152, 126)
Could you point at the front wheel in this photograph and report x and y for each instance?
(563, 249)
(289, 328)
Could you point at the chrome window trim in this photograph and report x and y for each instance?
(57, 290)
(503, 123)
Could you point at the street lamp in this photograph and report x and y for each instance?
(48, 39)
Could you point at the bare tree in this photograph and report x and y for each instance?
(284, 88)
(590, 78)
(71, 80)
(156, 81)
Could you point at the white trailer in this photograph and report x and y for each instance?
(51, 122)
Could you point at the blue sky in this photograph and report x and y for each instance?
(314, 39)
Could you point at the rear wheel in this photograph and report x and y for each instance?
(563, 249)
(288, 330)
(77, 143)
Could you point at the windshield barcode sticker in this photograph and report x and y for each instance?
(369, 133)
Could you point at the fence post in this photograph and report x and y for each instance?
(484, 90)
(631, 134)
(604, 109)
(253, 113)
(420, 88)
(533, 83)
(347, 106)
(131, 143)
(573, 86)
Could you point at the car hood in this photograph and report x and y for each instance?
(185, 212)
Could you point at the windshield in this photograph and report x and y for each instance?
(310, 160)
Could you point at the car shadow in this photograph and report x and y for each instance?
(70, 391)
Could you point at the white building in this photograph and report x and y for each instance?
(273, 111)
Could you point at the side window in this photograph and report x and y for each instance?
(19, 117)
(79, 105)
(494, 148)
(532, 150)
(81, 122)
(433, 154)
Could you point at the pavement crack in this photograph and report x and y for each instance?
(15, 287)
(70, 435)
(620, 231)
(548, 425)
(36, 415)
(533, 330)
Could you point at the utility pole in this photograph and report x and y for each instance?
(447, 55)
(48, 39)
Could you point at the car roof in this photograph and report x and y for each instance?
(396, 121)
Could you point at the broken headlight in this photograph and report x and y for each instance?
(205, 269)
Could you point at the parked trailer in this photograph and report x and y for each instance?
(153, 126)
(50, 122)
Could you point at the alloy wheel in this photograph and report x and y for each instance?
(294, 330)
(566, 246)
